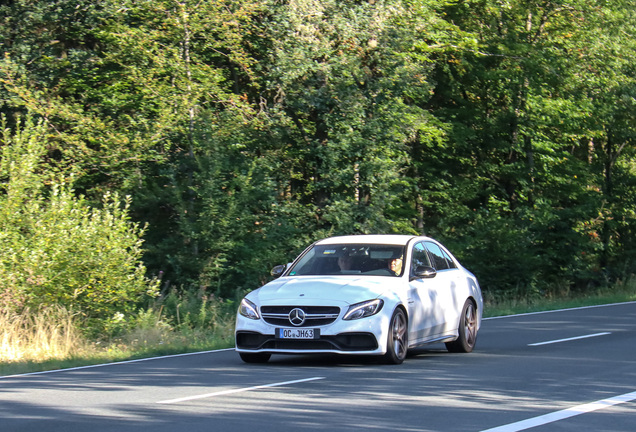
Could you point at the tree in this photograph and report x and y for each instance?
(520, 116)
(608, 82)
(340, 75)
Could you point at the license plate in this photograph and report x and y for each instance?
(297, 333)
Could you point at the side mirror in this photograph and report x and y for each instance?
(424, 272)
(278, 270)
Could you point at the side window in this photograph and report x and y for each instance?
(438, 256)
(420, 257)
(451, 263)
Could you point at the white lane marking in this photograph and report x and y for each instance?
(114, 363)
(570, 339)
(238, 390)
(564, 414)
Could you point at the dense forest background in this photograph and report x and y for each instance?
(227, 135)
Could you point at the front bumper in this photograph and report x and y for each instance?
(342, 343)
(364, 336)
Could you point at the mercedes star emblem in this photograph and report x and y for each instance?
(297, 317)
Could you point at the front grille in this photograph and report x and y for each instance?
(314, 315)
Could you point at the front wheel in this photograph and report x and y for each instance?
(467, 330)
(397, 343)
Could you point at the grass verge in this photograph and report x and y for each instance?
(621, 292)
(54, 338)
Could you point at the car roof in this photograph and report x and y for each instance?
(387, 239)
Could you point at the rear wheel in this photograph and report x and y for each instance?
(255, 357)
(397, 343)
(467, 330)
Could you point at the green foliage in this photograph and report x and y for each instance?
(194, 310)
(526, 128)
(58, 250)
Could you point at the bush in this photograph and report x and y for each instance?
(56, 248)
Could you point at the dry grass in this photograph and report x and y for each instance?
(52, 339)
(45, 334)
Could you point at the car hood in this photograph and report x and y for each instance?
(316, 290)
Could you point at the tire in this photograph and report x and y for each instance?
(397, 344)
(255, 357)
(467, 330)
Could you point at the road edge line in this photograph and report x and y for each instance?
(114, 363)
(558, 310)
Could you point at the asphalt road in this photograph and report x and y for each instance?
(571, 370)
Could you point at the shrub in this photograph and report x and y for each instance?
(56, 248)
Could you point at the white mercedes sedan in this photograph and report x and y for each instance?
(363, 294)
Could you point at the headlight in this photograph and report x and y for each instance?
(364, 309)
(248, 310)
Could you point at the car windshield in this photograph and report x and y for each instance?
(351, 259)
